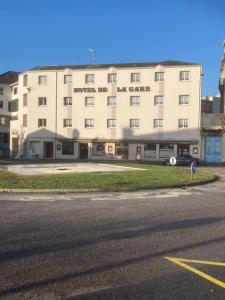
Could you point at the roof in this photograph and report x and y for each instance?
(166, 63)
(9, 77)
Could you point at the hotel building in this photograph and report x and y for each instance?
(146, 111)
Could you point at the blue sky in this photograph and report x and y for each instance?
(54, 32)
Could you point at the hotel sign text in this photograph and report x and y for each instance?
(118, 89)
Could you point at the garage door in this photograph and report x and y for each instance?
(213, 149)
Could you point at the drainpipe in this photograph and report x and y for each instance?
(201, 139)
(56, 109)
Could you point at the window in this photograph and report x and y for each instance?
(67, 148)
(89, 101)
(112, 77)
(150, 150)
(158, 123)
(111, 123)
(67, 79)
(24, 100)
(183, 123)
(183, 99)
(42, 101)
(24, 120)
(134, 100)
(67, 101)
(42, 80)
(98, 149)
(166, 150)
(42, 122)
(15, 91)
(3, 121)
(67, 123)
(1, 90)
(158, 100)
(13, 105)
(135, 77)
(159, 76)
(111, 100)
(184, 75)
(134, 123)
(89, 123)
(89, 78)
(25, 80)
(1, 104)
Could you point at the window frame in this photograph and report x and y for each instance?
(70, 81)
(184, 103)
(159, 122)
(42, 122)
(134, 123)
(92, 103)
(89, 123)
(112, 76)
(111, 123)
(44, 82)
(114, 102)
(158, 76)
(135, 104)
(69, 102)
(92, 76)
(182, 123)
(43, 100)
(67, 123)
(158, 102)
(135, 77)
(1, 104)
(185, 72)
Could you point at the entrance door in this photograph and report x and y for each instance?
(213, 149)
(48, 149)
(183, 149)
(15, 147)
(84, 151)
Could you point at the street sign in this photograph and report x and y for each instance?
(173, 161)
(193, 168)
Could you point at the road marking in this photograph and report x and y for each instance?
(180, 262)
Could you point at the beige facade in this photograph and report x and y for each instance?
(147, 110)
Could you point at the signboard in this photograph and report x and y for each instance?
(118, 89)
(138, 156)
(173, 161)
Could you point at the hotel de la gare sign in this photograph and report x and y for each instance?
(119, 89)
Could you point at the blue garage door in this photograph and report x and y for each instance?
(213, 149)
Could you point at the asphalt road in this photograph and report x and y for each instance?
(113, 245)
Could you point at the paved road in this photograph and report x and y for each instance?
(113, 245)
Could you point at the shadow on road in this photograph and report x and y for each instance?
(191, 223)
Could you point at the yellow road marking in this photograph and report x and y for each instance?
(180, 262)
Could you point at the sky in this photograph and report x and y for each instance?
(58, 32)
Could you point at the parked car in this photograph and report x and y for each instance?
(183, 160)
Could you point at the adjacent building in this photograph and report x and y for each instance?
(146, 111)
(8, 91)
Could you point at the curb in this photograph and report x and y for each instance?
(63, 191)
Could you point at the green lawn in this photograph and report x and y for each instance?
(153, 176)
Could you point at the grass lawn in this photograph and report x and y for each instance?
(152, 176)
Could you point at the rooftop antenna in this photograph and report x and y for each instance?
(92, 55)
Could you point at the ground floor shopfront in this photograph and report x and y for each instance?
(104, 149)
